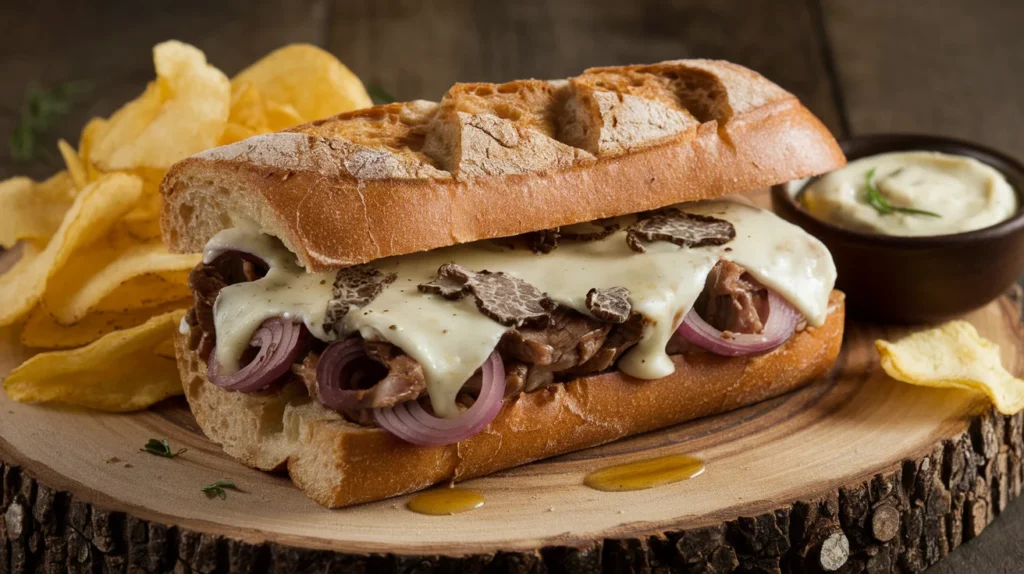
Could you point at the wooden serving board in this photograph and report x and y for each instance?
(857, 471)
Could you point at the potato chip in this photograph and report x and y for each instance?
(166, 349)
(119, 372)
(74, 163)
(115, 274)
(248, 108)
(92, 131)
(181, 114)
(94, 211)
(30, 210)
(42, 331)
(307, 78)
(282, 116)
(953, 355)
(236, 133)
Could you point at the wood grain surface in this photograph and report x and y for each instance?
(947, 67)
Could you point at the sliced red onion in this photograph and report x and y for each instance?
(410, 422)
(339, 364)
(280, 341)
(782, 321)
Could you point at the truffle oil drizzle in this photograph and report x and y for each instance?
(645, 474)
(445, 501)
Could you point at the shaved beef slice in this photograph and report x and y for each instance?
(733, 300)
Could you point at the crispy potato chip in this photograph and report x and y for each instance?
(248, 108)
(114, 274)
(282, 116)
(146, 291)
(119, 372)
(166, 349)
(75, 166)
(92, 131)
(307, 78)
(30, 210)
(236, 133)
(94, 211)
(182, 113)
(953, 356)
(42, 331)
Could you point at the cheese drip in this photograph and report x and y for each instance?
(451, 339)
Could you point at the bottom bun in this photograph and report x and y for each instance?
(338, 463)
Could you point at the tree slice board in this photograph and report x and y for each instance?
(853, 471)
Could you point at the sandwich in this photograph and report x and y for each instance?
(424, 292)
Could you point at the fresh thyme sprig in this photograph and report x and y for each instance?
(40, 111)
(217, 489)
(379, 95)
(161, 448)
(881, 204)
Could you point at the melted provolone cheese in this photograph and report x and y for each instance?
(451, 339)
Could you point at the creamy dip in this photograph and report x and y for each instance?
(958, 193)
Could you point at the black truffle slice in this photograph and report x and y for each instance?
(611, 305)
(354, 287)
(682, 229)
(504, 298)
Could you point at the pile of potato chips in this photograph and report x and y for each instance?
(93, 272)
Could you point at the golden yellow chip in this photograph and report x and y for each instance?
(30, 210)
(74, 163)
(282, 116)
(114, 274)
(166, 349)
(94, 211)
(181, 114)
(42, 331)
(90, 134)
(119, 372)
(953, 356)
(236, 133)
(307, 78)
(248, 108)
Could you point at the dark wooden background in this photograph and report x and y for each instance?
(952, 67)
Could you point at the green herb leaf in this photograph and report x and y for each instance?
(217, 489)
(40, 111)
(379, 95)
(161, 448)
(881, 204)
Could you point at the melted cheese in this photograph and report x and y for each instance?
(451, 339)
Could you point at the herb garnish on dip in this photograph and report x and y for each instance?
(912, 193)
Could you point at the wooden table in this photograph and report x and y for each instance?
(950, 67)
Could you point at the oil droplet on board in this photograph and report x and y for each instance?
(645, 474)
(445, 501)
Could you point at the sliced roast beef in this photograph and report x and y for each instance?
(206, 280)
(733, 300)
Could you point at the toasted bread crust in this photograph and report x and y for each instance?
(338, 463)
(500, 160)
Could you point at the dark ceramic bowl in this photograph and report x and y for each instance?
(918, 279)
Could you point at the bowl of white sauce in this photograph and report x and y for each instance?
(922, 228)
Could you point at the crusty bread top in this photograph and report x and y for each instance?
(494, 160)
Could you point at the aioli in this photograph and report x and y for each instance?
(965, 193)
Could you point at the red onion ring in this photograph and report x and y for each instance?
(782, 322)
(409, 422)
(338, 364)
(280, 341)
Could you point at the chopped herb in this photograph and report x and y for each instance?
(379, 95)
(161, 448)
(881, 204)
(40, 111)
(217, 489)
